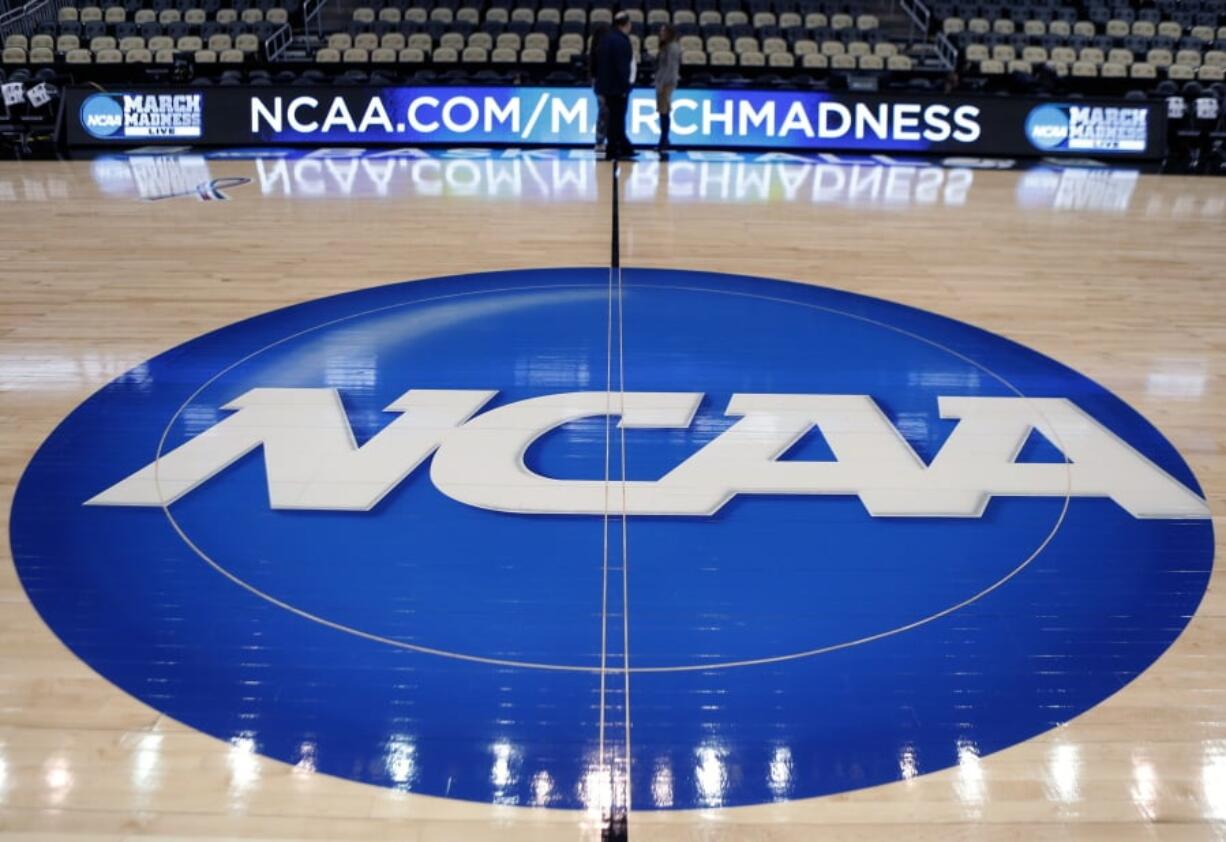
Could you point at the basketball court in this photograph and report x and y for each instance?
(462, 649)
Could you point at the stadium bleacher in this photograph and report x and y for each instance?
(1142, 42)
(1112, 47)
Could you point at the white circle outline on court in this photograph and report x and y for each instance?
(505, 662)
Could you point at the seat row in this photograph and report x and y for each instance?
(828, 7)
(218, 42)
(576, 43)
(1108, 70)
(194, 15)
(1113, 28)
(1094, 55)
(473, 54)
(45, 55)
(654, 17)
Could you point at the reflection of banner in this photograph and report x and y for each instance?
(508, 116)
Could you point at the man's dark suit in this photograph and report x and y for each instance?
(613, 58)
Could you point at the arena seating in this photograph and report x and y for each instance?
(762, 34)
(813, 37)
(1096, 39)
(136, 32)
(1130, 45)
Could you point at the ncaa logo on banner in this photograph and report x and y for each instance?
(373, 532)
(102, 115)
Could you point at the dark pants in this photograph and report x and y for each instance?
(619, 144)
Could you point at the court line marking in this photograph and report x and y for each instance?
(507, 662)
(621, 385)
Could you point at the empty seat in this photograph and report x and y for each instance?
(992, 67)
(1160, 58)
(141, 56)
(411, 55)
(204, 57)
(355, 55)
(383, 55)
(752, 59)
(232, 56)
(1086, 69)
(328, 55)
(366, 41)
(695, 57)
(393, 41)
(220, 41)
(1142, 70)
(843, 61)
(1113, 70)
(247, 42)
(502, 55)
(1180, 72)
(445, 55)
(533, 55)
(475, 55)
(1211, 73)
(102, 42)
(78, 57)
(871, 62)
(898, 63)
(814, 61)
(781, 60)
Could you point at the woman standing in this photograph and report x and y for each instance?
(668, 71)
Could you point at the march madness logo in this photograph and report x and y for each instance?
(413, 535)
(1088, 128)
(149, 116)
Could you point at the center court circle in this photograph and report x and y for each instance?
(415, 644)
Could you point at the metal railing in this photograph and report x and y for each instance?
(22, 20)
(276, 43)
(946, 51)
(919, 13)
(311, 16)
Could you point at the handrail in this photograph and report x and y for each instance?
(311, 10)
(946, 51)
(919, 13)
(276, 43)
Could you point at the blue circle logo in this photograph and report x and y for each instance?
(733, 540)
(101, 115)
(1047, 127)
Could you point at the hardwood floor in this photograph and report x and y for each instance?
(1121, 277)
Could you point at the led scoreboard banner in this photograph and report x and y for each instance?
(540, 116)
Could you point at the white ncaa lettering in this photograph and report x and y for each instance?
(312, 461)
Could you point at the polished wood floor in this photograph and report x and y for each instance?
(1121, 277)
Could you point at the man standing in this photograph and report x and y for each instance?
(614, 60)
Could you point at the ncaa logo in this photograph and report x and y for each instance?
(101, 115)
(377, 533)
(1047, 127)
